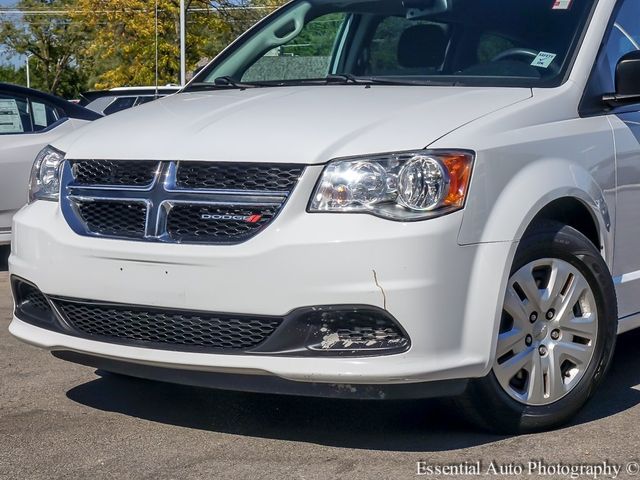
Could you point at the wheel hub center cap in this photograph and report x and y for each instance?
(540, 331)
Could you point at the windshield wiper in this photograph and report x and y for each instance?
(222, 82)
(406, 81)
(347, 78)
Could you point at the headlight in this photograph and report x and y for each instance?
(44, 183)
(401, 186)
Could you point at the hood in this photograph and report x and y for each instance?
(309, 124)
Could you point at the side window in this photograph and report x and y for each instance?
(400, 46)
(629, 21)
(308, 55)
(119, 104)
(143, 100)
(14, 115)
(624, 38)
(43, 115)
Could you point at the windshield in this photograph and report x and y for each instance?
(451, 42)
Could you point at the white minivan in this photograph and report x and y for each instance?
(360, 199)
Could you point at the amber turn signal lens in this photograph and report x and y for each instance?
(459, 168)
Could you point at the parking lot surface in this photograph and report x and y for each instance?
(59, 420)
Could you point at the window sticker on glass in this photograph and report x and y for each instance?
(562, 4)
(543, 60)
(10, 121)
(39, 114)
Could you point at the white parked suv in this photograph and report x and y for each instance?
(369, 199)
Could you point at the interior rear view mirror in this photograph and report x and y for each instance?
(424, 8)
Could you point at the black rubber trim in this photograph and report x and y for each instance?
(39, 318)
(269, 384)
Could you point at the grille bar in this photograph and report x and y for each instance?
(185, 202)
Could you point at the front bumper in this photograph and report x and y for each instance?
(445, 296)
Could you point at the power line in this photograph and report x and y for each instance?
(63, 12)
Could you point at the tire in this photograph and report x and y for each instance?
(552, 386)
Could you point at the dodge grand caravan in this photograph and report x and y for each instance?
(362, 199)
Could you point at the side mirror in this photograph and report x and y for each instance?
(627, 81)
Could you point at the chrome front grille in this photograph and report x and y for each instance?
(174, 202)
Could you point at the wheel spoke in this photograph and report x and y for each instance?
(536, 386)
(585, 326)
(553, 377)
(515, 307)
(509, 341)
(507, 370)
(580, 354)
(566, 303)
(558, 278)
(524, 278)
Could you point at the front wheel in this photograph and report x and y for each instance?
(556, 338)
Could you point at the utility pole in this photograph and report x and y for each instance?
(156, 53)
(183, 44)
(29, 55)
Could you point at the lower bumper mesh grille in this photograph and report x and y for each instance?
(167, 327)
(306, 331)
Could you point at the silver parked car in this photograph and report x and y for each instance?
(29, 120)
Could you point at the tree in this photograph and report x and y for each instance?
(11, 74)
(239, 15)
(123, 39)
(53, 41)
(112, 43)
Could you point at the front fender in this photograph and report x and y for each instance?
(500, 224)
(505, 215)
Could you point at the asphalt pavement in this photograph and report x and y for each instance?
(59, 420)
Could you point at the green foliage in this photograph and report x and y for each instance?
(53, 42)
(11, 74)
(110, 43)
(317, 38)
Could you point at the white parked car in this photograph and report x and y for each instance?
(108, 102)
(372, 199)
(29, 121)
